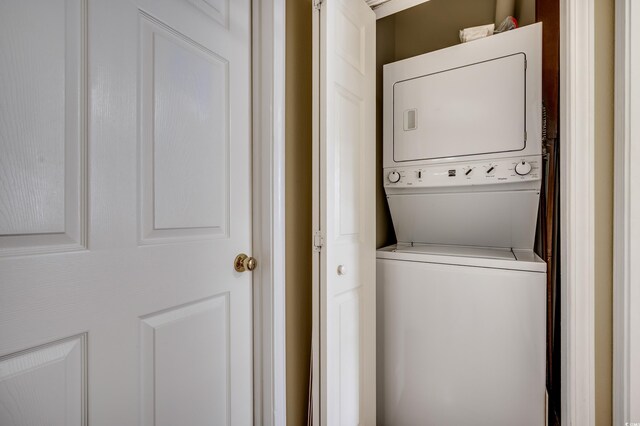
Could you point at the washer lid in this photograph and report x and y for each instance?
(484, 219)
(486, 257)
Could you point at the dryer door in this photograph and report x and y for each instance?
(474, 109)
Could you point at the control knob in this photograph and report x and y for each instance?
(523, 168)
(394, 177)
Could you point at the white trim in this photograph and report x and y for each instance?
(394, 6)
(577, 210)
(626, 331)
(318, 333)
(315, 218)
(268, 59)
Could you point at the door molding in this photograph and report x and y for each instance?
(577, 210)
(626, 330)
(268, 65)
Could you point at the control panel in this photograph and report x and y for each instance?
(502, 170)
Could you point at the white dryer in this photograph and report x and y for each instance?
(461, 298)
(462, 142)
(460, 338)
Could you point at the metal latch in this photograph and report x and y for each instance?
(318, 241)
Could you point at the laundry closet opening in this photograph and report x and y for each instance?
(435, 25)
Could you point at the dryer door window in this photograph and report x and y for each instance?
(469, 110)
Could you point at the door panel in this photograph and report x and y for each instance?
(118, 200)
(203, 328)
(344, 317)
(348, 140)
(42, 91)
(185, 137)
(45, 385)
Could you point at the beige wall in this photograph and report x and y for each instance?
(604, 60)
(298, 207)
(435, 24)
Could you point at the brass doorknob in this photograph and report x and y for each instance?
(244, 263)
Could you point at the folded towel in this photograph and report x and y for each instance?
(474, 33)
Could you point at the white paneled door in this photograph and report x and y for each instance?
(344, 288)
(124, 198)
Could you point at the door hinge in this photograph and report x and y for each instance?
(317, 4)
(318, 240)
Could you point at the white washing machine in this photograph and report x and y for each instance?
(461, 298)
(460, 338)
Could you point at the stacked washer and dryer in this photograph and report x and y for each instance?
(461, 296)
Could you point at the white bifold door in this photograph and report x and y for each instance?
(124, 199)
(344, 383)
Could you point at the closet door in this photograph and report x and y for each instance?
(344, 208)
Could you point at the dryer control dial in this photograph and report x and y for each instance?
(394, 177)
(523, 168)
